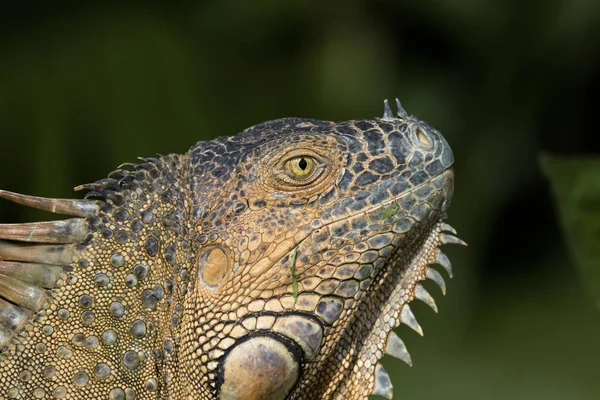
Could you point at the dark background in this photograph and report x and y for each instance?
(84, 89)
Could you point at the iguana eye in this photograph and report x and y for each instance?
(300, 167)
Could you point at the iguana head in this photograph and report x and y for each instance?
(312, 235)
(269, 265)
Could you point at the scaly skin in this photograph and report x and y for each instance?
(269, 265)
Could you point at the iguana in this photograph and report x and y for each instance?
(273, 264)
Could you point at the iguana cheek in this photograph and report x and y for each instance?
(261, 368)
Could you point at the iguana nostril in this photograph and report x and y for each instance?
(423, 138)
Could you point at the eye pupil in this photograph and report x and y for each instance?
(303, 164)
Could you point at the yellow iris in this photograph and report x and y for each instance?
(301, 166)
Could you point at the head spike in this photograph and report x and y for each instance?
(443, 260)
(401, 111)
(408, 318)
(387, 111)
(437, 278)
(396, 348)
(422, 294)
(383, 383)
(451, 239)
(447, 228)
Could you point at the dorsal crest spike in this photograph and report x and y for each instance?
(401, 111)
(78, 208)
(387, 111)
(68, 231)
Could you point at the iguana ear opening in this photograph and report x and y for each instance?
(35, 258)
(214, 265)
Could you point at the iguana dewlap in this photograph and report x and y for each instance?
(274, 264)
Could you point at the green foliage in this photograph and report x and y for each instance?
(388, 212)
(576, 187)
(293, 272)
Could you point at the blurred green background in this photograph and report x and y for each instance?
(84, 88)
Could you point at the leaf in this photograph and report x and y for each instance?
(388, 212)
(293, 272)
(575, 183)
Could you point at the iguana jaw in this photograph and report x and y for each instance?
(393, 283)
